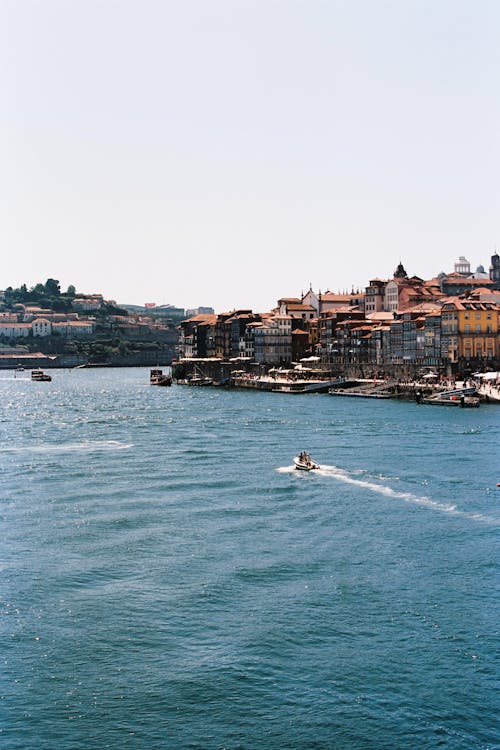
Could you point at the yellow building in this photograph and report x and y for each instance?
(470, 330)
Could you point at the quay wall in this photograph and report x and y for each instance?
(220, 370)
(38, 359)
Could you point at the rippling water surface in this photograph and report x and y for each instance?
(169, 581)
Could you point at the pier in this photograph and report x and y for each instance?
(252, 376)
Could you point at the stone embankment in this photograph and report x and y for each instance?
(221, 373)
(30, 360)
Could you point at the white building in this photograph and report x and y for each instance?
(41, 327)
(15, 330)
(6, 317)
(88, 304)
(273, 340)
(391, 295)
(77, 328)
(31, 313)
(462, 266)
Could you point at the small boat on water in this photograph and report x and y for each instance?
(157, 377)
(199, 380)
(304, 462)
(464, 397)
(40, 376)
(466, 402)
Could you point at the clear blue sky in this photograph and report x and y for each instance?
(229, 152)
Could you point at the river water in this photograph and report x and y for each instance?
(169, 581)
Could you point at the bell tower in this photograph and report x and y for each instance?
(495, 270)
(400, 272)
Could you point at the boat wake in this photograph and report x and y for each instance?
(382, 489)
(86, 446)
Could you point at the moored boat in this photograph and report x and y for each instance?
(304, 462)
(40, 376)
(157, 377)
(282, 383)
(455, 399)
(199, 380)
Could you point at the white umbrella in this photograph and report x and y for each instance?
(489, 375)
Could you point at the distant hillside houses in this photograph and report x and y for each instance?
(152, 310)
(46, 326)
(452, 319)
(89, 303)
(199, 311)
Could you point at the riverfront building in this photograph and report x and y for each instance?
(403, 322)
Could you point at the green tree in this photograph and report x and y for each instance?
(52, 288)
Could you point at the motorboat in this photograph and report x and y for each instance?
(464, 397)
(304, 462)
(199, 380)
(40, 376)
(463, 401)
(157, 377)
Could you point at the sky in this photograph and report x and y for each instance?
(227, 153)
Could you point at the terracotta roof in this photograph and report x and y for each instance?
(202, 318)
(426, 307)
(486, 290)
(458, 280)
(468, 304)
(399, 282)
(297, 307)
(381, 315)
(342, 309)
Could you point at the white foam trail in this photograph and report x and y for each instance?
(335, 473)
(85, 446)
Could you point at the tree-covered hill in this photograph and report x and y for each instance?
(50, 297)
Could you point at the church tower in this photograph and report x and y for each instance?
(400, 272)
(462, 266)
(495, 270)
